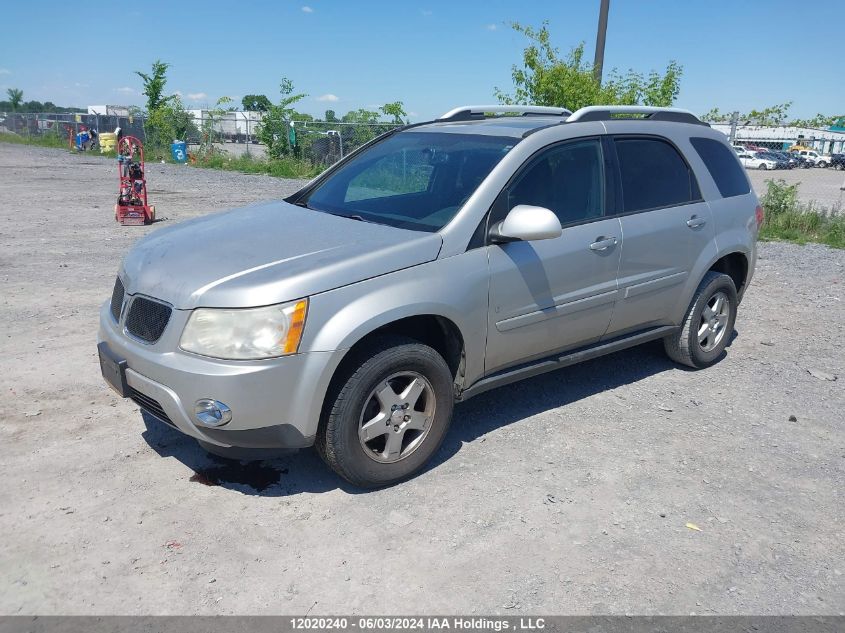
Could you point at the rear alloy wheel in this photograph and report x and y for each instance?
(821, 164)
(388, 414)
(708, 324)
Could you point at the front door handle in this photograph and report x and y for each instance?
(694, 222)
(603, 243)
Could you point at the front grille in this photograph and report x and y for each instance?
(117, 299)
(147, 319)
(149, 405)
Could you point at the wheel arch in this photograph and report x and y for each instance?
(735, 265)
(435, 330)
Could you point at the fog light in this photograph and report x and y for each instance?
(212, 413)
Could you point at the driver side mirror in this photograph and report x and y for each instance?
(526, 223)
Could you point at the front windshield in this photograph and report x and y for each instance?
(412, 180)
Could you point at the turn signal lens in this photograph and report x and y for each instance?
(297, 324)
(759, 215)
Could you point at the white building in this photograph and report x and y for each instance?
(823, 141)
(109, 110)
(230, 124)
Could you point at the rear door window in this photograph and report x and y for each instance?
(723, 167)
(654, 175)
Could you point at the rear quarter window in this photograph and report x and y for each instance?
(722, 165)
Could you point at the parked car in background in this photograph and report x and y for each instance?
(781, 162)
(813, 157)
(802, 161)
(441, 260)
(756, 160)
(790, 160)
(837, 161)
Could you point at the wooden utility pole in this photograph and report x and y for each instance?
(598, 62)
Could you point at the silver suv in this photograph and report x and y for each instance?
(440, 260)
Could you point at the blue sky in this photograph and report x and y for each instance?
(432, 55)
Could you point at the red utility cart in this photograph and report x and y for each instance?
(132, 207)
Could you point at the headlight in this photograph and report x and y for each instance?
(246, 334)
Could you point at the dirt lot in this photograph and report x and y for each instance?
(821, 187)
(569, 493)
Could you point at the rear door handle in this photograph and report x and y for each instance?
(603, 243)
(695, 222)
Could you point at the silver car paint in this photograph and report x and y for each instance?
(265, 254)
(360, 276)
(550, 295)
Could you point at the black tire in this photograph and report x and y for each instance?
(762, 166)
(821, 164)
(683, 347)
(337, 439)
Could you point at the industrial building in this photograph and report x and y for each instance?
(830, 141)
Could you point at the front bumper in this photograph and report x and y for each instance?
(275, 403)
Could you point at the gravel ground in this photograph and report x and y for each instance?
(569, 493)
(821, 187)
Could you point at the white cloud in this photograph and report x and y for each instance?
(126, 90)
(491, 27)
(426, 12)
(5, 71)
(307, 9)
(197, 96)
(328, 97)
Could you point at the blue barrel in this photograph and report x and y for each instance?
(179, 151)
(81, 139)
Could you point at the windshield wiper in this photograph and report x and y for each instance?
(351, 216)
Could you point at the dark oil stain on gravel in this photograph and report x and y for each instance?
(254, 475)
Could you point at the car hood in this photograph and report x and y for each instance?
(265, 254)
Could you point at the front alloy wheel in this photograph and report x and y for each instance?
(397, 417)
(387, 411)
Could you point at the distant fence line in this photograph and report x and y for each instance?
(321, 142)
(66, 125)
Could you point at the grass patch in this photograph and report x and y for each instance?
(46, 140)
(280, 168)
(788, 219)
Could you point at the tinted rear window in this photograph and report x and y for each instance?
(654, 175)
(720, 162)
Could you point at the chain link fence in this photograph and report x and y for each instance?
(233, 133)
(64, 127)
(320, 142)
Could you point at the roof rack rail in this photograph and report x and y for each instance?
(607, 112)
(470, 113)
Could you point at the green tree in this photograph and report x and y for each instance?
(154, 85)
(209, 134)
(330, 116)
(256, 103)
(15, 97)
(546, 78)
(772, 116)
(274, 129)
(361, 115)
(395, 109)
